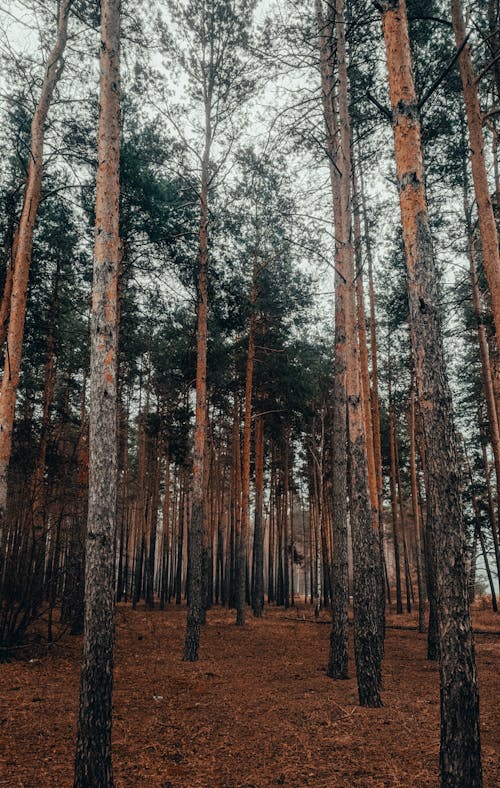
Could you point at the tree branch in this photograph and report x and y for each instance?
(448, 68)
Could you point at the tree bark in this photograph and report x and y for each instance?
(23, 244)
(402, 520)
(338, 661)
(416, 512)
(154, 493)
(375, 406)
(478, 534)
(487, 224)
(258, 544)
(494, 40)
(363, 359)
(486, 370)
(195, 605)
(7, 291)
(93, 764)
(39, 497)
(367, 645)
(491, 511)
(76, 554)
(245, 476)
(394, 509)
(460, 753)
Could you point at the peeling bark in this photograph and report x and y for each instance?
(460, 753)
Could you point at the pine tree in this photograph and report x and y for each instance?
(22, 245)
(460, 760)
(93, 765)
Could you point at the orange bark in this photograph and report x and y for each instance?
(487, 224)
(23, 249)
(245, 475)
(363, 364)
(460, 751)
(196, 532)
(487, 376)
(7, 292)
(377, 448)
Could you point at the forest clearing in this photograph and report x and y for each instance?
(250, 399)
(258, 710)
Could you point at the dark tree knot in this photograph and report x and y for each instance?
(409, 179)
(409, 109)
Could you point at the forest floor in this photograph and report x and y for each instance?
(256, 710)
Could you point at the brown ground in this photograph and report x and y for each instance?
(256, 710)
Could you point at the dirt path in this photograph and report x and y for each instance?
(256, 710)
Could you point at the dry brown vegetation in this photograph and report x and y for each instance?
(256, 710)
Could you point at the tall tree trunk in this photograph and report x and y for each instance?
(284, 513)
(373, 347)
(471, 578)
(478, 534)
(167, 532)
(7, 290)
(494, 40)
(23, 250)
(363, 358)
(140, 503)
(494, 604)
(76, 553)
(271, 574)
(155, 471)
(416, 512)
(206, 545)
(236, 484)
(375, 489)
(402, 520)
(195, 611)
(338, 656)
(38, 481)
(48, 397)
(123, 493)
(367, 645)
(338, 660)
(258, 543)
(430, 562)
(181, 519)
(491, 511)
(394, 508)
(487, 224)
(487, 373)
(93, 765)
(245, 476)
(375, 405)
(317, 512)
(460, 753)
